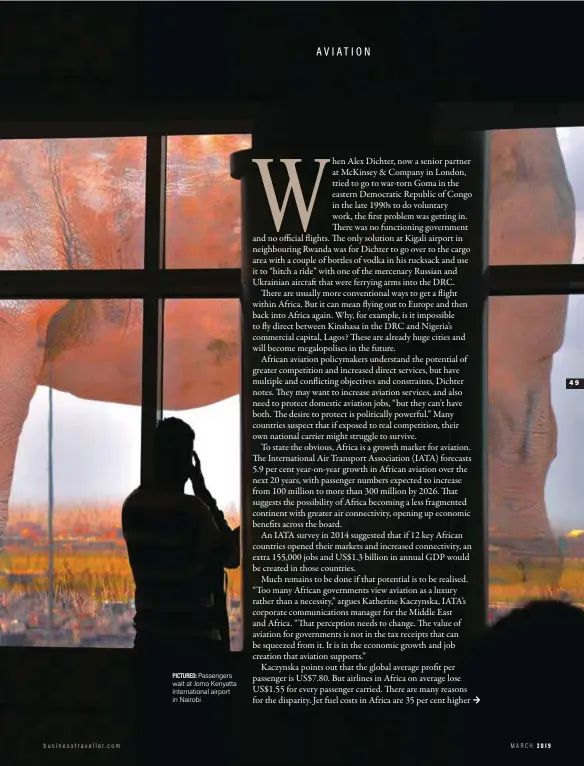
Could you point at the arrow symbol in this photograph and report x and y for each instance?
(477, 700)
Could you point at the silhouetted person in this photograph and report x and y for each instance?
(178, 547)
(528, 673)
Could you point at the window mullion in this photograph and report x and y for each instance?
(153, 321)
(553, 279)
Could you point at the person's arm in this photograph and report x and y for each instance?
(209, 537)
(229, 538)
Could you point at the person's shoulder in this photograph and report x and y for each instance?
(131, 498)
(146, 497)
(152, 497)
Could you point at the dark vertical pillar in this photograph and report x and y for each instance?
(153, 307)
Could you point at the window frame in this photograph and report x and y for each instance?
(553, 279)
(153, 283)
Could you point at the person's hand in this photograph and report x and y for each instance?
(196, 475)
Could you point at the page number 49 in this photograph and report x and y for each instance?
(575, 383)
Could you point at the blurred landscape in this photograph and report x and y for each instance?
(92, 585)
(515, 580)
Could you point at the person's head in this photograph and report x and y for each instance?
(173, 452)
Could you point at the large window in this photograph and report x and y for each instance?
(119, 303)
(536, 343)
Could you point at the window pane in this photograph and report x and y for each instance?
(536, 477)
(72, 203)
(203, 217)
(70, 390)
(535, 175)
(202, 387)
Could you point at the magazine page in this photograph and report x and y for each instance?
(289, 392)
